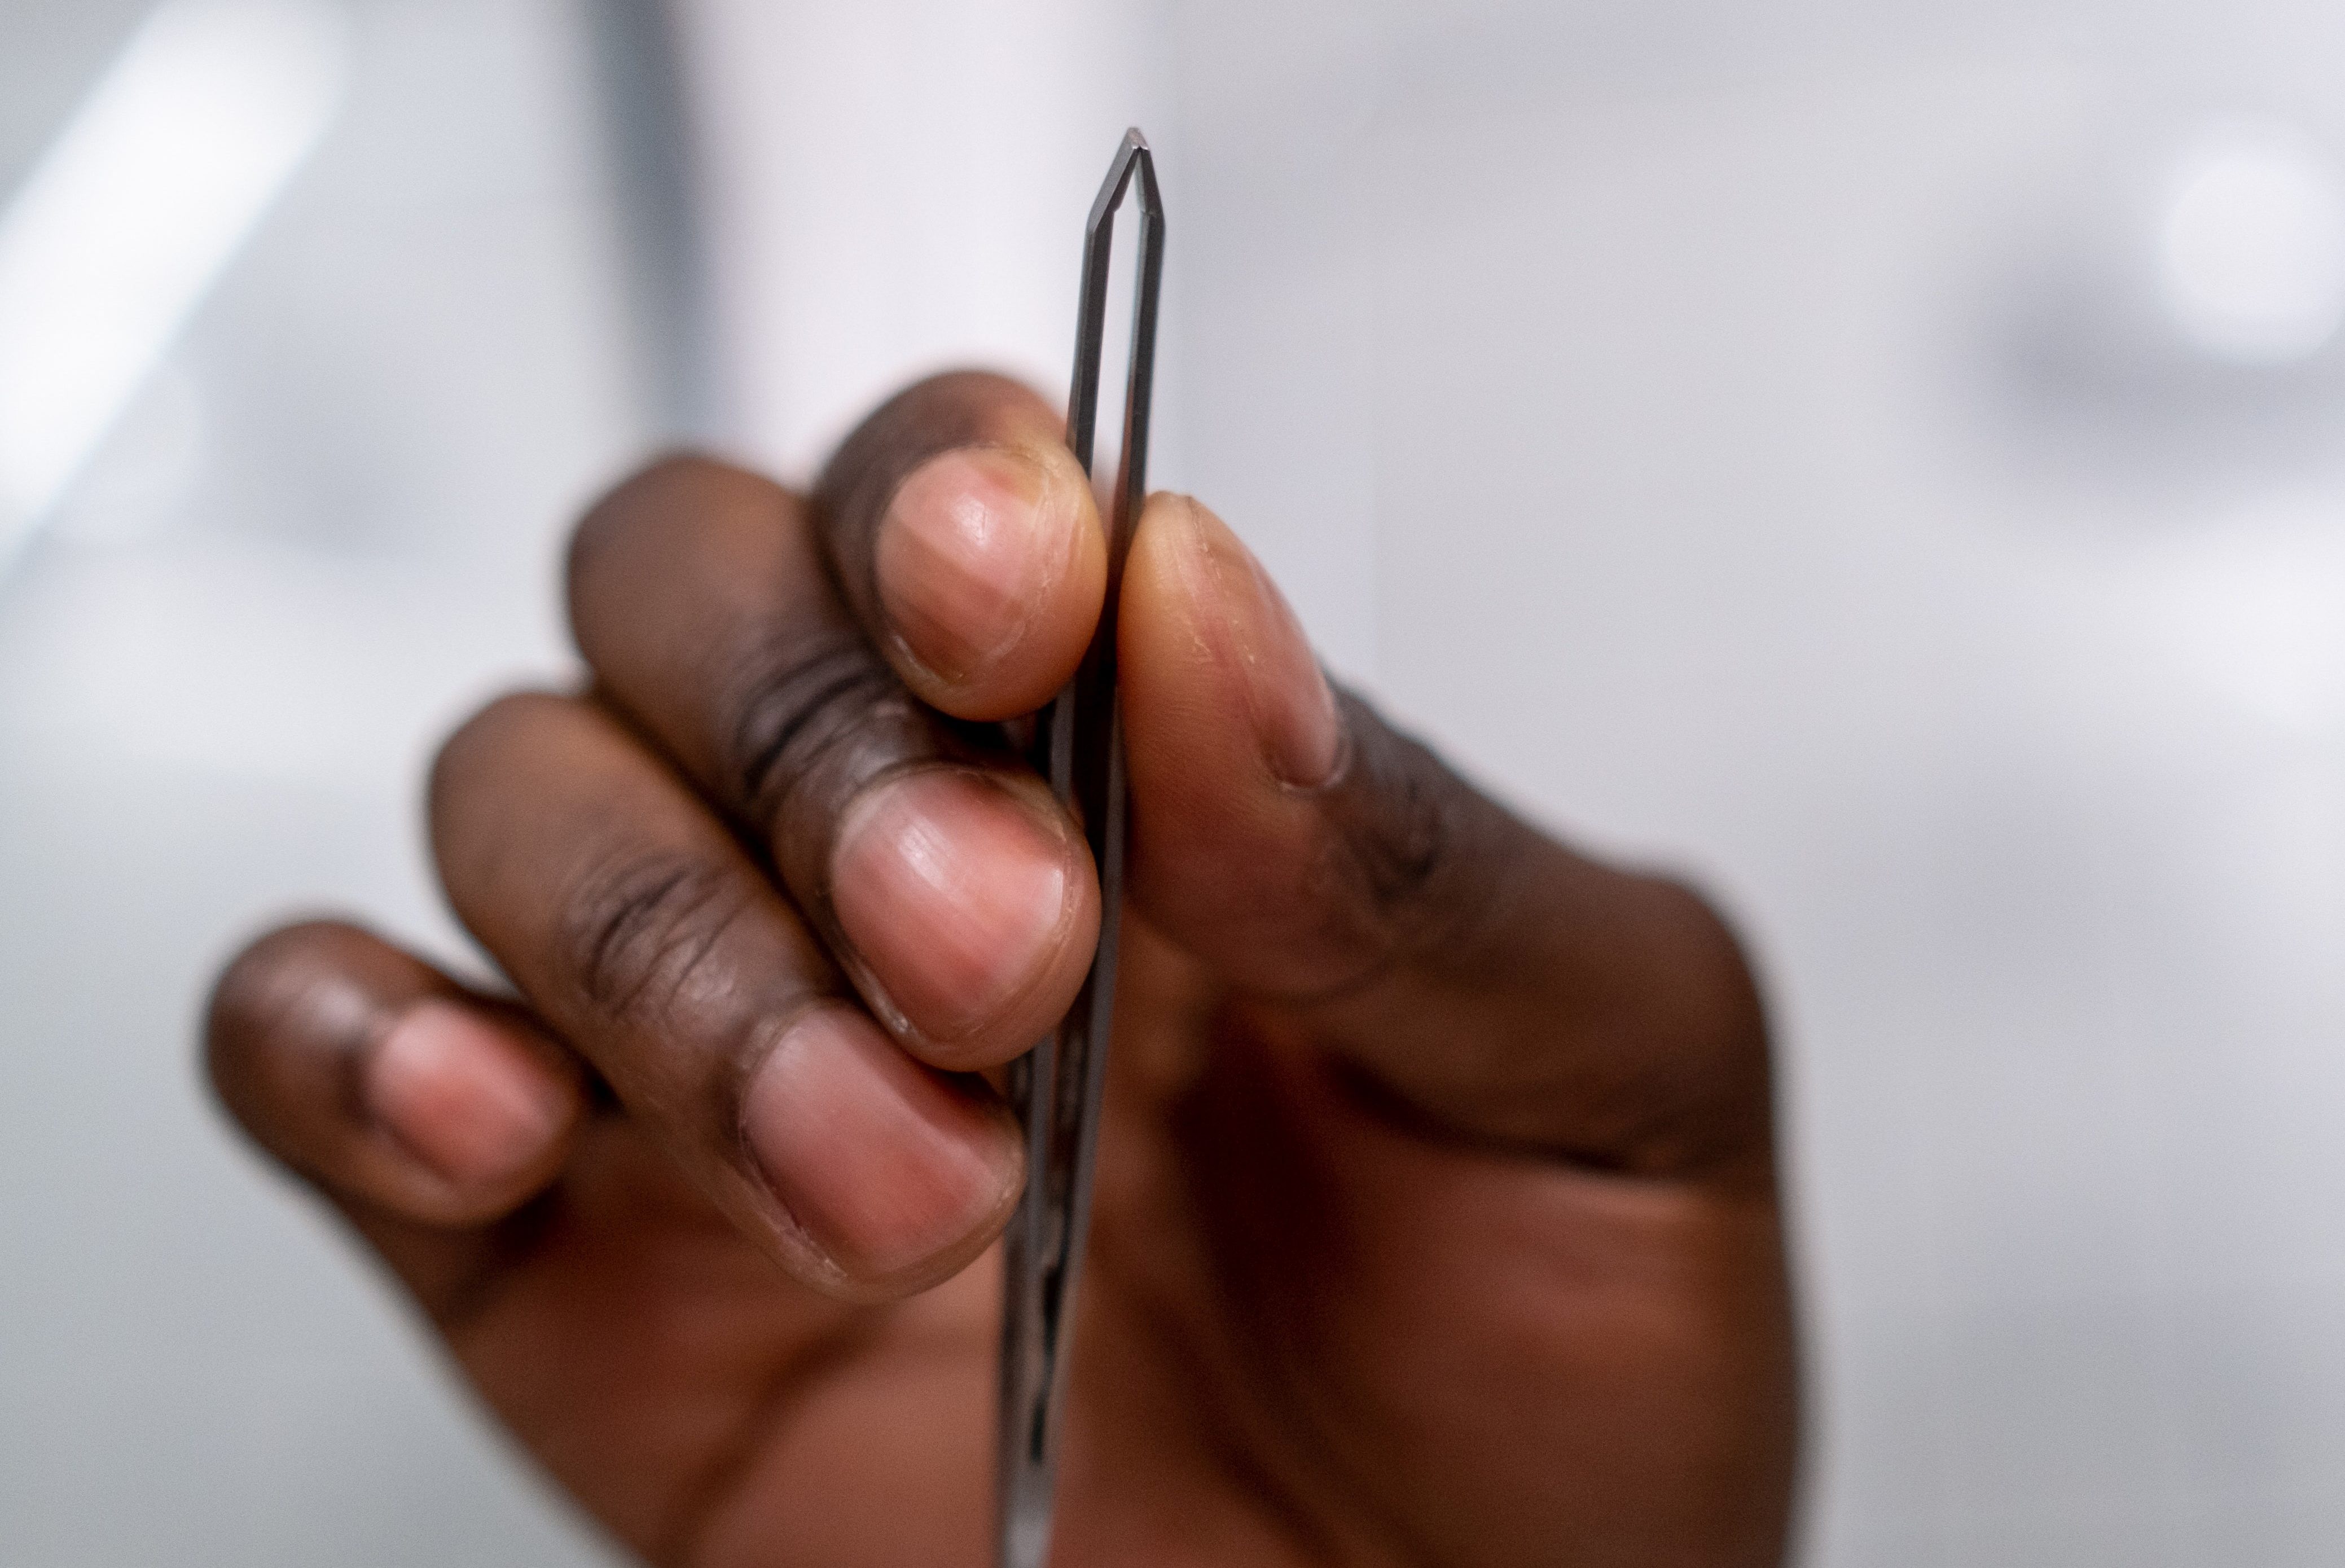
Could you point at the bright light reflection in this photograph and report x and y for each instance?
(2251, 244)
(133, 213)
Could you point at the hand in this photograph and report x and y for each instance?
(1436, 1218)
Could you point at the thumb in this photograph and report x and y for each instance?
(1336, 871)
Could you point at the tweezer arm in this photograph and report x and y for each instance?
(1060, 1085)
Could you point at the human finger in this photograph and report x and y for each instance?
(952, 889)
(966, 538)
(380, 1079)
(1482, 973)
(638, 927)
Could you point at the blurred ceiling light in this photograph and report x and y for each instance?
(2251, 244)
(133, 212)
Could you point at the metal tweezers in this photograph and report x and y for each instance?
(1060, 1085)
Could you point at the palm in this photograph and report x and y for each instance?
(1310, 1333)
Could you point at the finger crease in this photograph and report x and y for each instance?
(781, 706)
(652, 928)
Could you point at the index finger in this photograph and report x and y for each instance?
(966, 540)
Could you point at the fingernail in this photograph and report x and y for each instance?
(1287, 697)
(954, 893)
(885, 1164)
(461, 1095)
(967, 550)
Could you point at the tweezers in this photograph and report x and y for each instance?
(1058, 1087)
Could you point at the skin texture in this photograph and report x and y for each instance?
(1437, 1217)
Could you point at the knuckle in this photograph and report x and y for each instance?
(1695, 1022)
(952, 409)
(481, 738)
(1400, 819)
(651, 498)
(1715, 1001)
(791, 713)
(1397, 848)
(641, 929)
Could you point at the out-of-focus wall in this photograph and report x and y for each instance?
(1883, 460)
(323, 525)
(897, 186)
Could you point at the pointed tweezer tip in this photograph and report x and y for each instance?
(1132, 154)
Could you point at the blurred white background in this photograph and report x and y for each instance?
(1885, 459)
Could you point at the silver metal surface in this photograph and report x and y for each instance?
(1060, 1085)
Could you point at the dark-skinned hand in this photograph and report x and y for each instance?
(1436, 1219)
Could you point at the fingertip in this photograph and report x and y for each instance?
(486, 1109)
(1218, 656)
(378, 1078)
(989, 567)
(272, 976)
(898, 1175)
(1237, 755)
(970, 908)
